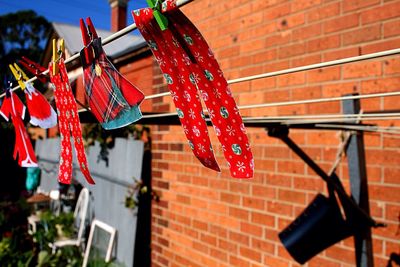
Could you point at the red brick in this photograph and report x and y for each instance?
(392, 66)
(278, 11)
(251, 229)
(392, 176)
(306, 32)
(250, 254)
(326, 74)
(291, 79)
(384, 193)
(364, 69)
(263, 219)
(391, 28)
(323, 12)
(219, 254)
(298, 5)
(253, 203)
(290, 22)
(266, 192)
(323, 43)
(342, 53)
(358, 4)
(292, 196)
(383, 12)
(239, 238)
(310, 92)
(362, 35)
(380, 46)
(292, 50)
(235, 261)
(341, 23)
(239, 213)
(380, 85)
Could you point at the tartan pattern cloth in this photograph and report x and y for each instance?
(110, 96)
(23, 150)
(190, 69)
(103, 94)
(68, 124)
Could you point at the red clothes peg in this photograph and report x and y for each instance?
(187, 78)
(13, 108)
(34, 68)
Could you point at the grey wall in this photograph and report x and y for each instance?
(125, 163)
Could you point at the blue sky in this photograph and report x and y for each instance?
(70, 11)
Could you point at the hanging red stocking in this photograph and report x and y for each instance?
(68, 123)
(13, 108)
(190, 68)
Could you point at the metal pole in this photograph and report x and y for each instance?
(359, 187)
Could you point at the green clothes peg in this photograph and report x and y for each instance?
(159, 17)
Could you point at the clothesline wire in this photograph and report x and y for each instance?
(264, 75)
(323, 116)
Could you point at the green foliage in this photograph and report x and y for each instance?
(16, 246)
(64, 257)
(134, 193)
(23, 33)
(49, 232)
(102, 263)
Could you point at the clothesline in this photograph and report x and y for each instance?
(303, 68)
(132, 27)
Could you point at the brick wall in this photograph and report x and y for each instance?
(209, 219)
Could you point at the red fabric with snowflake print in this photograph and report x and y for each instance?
(190, 68)
(68, 123)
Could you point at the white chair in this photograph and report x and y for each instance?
(80, 214)
(97, 241)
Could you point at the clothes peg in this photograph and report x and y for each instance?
(160, 18)
(19, 75)
(34, 68)
(58, 52)
(54, 59)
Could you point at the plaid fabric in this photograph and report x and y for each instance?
(108, 93)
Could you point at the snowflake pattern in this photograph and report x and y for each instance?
(160, 61)
(181, 78)
(217, 93)
(192, 114)
(240, 165)
(230, 130)
(201, 148)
